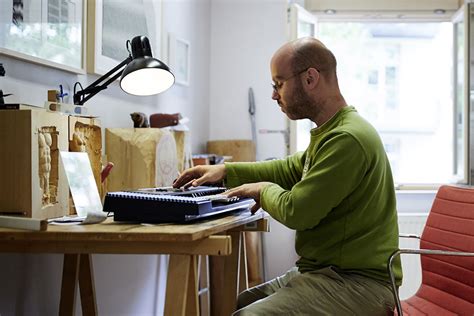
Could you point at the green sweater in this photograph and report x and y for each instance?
(338, 195)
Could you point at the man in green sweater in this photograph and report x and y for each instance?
(338, 195)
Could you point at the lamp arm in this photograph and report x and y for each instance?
(80, 97)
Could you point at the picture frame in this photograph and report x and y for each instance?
(45, 32)
(179, 59)
(112, 23)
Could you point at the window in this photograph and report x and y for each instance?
(399, 77)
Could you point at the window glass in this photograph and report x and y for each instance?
(399, 77)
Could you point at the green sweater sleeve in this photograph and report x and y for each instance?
(338, 169)
(284, 172)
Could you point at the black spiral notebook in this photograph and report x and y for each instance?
(167, 204)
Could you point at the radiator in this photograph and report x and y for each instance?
(410, 223)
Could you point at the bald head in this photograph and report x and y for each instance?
(305, 81)
(309, 52)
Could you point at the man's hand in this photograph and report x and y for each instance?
(251, 190)
(200, 175)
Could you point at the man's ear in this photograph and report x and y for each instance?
(312, 77)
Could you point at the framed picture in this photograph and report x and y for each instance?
(178, 58)
(112, 23)
(45, 32)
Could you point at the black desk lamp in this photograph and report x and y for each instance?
(141, 74)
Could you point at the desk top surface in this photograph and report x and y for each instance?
(117, 231)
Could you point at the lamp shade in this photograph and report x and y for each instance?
(146, 76)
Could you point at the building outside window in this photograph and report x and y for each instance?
(399, 76)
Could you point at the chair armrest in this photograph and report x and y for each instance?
(419, 252)
(409, 236)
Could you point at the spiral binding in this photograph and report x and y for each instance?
(198, 196)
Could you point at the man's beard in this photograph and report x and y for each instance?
(301, 103)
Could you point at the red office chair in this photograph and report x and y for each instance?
(447, 261)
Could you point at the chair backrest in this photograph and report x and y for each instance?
(449, 280)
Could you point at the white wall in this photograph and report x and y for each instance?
(244, 36)
(191, 20)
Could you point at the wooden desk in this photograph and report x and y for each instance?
(215, 237)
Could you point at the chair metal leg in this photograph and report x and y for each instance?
(392, 280)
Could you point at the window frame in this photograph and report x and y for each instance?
(361, 17)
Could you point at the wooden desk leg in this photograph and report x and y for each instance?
(86, 285)
(192, 301)
(216, 284)
(224, 279)
(68, 286)
(182, 271)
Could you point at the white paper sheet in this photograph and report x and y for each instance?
(83, 190)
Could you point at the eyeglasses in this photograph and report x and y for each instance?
(278, 85)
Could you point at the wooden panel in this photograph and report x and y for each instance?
(15, 161)
(212, 245)
(33, 183)
(240, 150)
(134, 154)
(183, 149)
